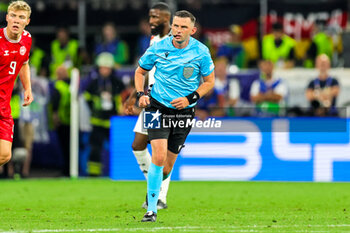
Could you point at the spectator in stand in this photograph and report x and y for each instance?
(335, 33)
(144, 38)
(322, 92)
(38, 60)
(209, 105)
(233, 50)
(278, 47)
(114, 45)
(61, 113)
(220, 100)
(34, 120)
(268, 92)
(228, 89)
(321, 43)
(103, 95)
(64, 51)
(3, 11)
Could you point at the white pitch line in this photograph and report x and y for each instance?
(185, 228)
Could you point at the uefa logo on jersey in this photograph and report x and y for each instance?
(22, 50)
(188, 71)
(151, 120)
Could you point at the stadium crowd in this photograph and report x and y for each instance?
(104, 88)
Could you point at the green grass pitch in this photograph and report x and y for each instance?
(102, 205)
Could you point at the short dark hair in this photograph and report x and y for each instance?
(277, 26)
(161, 6)
(185, 14)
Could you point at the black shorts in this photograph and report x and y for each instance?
(174, 125)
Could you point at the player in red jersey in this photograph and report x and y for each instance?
(15, 45)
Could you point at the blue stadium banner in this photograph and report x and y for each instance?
(259, 149)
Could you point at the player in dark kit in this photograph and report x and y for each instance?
(15, 45)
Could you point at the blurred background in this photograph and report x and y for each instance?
(281, 71)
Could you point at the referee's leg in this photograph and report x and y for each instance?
(155, 172)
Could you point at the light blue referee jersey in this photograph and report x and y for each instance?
(178, 71)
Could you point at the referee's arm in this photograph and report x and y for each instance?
(204, 88)
(139, 86)
(207, 85)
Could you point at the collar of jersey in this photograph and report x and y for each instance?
(187, 46)
(10, 40)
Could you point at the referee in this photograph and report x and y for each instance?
(180, 62)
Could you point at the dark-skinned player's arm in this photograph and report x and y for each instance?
(131, 100)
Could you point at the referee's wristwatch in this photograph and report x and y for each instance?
(139, 94)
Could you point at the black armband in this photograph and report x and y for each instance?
(193, 97)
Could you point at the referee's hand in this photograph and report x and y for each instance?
(144, 101)
(180, 103)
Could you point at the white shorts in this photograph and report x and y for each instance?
(139, 124)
